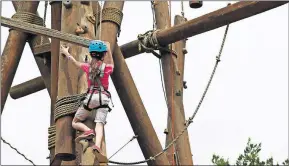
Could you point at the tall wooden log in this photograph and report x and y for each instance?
(176, 119)
(68, 82)
(163, 21)
(43, 59)
(12, 54)
(56, 10)
(135, 110)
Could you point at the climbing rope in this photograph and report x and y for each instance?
(44, 20)
(100, 20)
(182, 8)
(17, 151)
(134, 137)
(190, 120)
(148, 41)
(67, 105)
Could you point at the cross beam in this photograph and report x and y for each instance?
(207, 22)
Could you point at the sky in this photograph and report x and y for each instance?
(247, 98)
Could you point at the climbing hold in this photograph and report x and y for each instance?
(166, 131)
(196, 4)
(178, 93)
(84, 2)
(84, 144)
(185, 51)
(86, 59)
(80, 29)
(185, 84)
(67, 3)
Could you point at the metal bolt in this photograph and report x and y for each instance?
(67, 4)
(178, 93)
(185, 84)
(166, 131)
(185, 51)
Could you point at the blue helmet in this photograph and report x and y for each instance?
(97, 46)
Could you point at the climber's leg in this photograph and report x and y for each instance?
(77, 124)
(99, 131)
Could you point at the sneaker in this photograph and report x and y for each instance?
(99, 155)
(86, 135)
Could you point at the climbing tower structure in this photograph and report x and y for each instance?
(75, 23)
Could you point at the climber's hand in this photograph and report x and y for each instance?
(64, 50)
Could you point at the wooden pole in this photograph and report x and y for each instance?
(205, 23)
(135, 110)
(87, 157)
(163, 21)
(12, 54)
(183, 150)
(68, 82)
(43, 59)
(27, 88)
(210, 21)
(56, 10)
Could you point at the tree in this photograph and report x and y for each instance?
(249, 157)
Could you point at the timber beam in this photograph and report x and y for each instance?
(163, 21)
(56, 12)
(176, 116)
(207, 22)
(27, 88)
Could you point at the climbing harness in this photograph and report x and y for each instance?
(99, 88)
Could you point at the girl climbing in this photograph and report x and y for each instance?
(98, 96)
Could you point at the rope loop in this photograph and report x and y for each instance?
(112, 15)
(28, 18)
(149, 42)
(67, 105)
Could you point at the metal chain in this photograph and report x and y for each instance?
(182, 8)
(190, 120)
(134, 137)
(17, 151)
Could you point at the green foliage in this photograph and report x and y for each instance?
(249, 157)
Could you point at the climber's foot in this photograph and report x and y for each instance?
(99, 155)
(86, 135)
